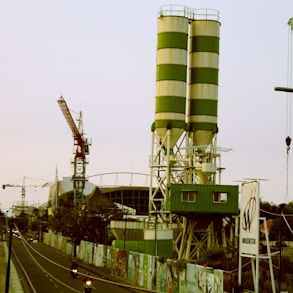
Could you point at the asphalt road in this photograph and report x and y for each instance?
(48, 271)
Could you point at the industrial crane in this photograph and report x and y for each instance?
(81, 150)
(23, 188)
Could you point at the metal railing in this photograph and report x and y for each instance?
(190, 13)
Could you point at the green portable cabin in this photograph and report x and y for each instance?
(203, 198)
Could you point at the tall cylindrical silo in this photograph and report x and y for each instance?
(171, 76)
(203, 80)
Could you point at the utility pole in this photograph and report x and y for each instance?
(8, 261)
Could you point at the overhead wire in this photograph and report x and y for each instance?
(280, 215)
(288, 225)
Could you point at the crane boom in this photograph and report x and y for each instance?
(65, 110)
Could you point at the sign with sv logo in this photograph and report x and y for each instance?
(249, 219)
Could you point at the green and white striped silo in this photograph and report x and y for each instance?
(203, 80)
(171, 74)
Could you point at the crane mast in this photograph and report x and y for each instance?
(81, 150)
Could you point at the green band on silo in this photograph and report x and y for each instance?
(203, 126)
(205, 44)
(170, 104)
(172, 40)
(204, 75)
(203, 107)
(171, 72)
(170, 124)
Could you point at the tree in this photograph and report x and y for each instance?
(89, 223)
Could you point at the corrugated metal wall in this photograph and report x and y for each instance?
(204, 202)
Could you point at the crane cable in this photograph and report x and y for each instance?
(289, 76)
(288, 102)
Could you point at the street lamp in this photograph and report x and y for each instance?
(281, 206)
(284, 89)
(288, 142)
(288, 138)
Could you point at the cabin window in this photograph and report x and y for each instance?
(220, 197)
(188, 196)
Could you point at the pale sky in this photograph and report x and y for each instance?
(101, 56)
